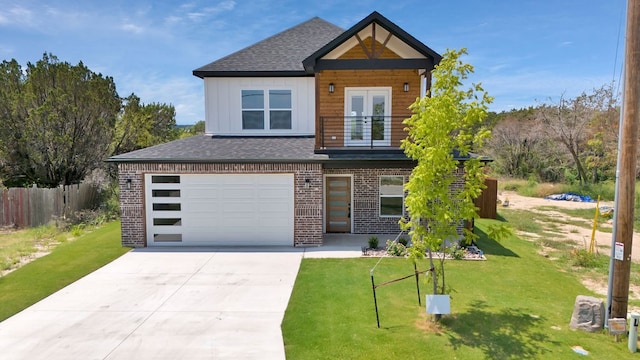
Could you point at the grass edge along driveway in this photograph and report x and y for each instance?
(516, 305)
(67, 263)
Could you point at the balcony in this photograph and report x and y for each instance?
(360, 133)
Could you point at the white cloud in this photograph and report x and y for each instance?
(193, 13)
(223, 6)
(17, 15)
(132, 28)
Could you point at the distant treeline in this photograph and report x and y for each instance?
(572, 140)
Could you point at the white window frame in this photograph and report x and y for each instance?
(266, 109)
(368, 93)
(380, 196)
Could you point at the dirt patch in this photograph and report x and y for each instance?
(40, 251)
(578, 235)
(600, 288)
(425, 323)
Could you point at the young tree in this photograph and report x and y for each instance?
(441, 189)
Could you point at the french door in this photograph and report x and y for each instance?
(367, 116)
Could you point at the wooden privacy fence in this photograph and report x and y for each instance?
(488, 200)
(30, 207)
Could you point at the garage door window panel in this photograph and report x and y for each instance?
(167, 237)
(167, 221)
(165, 193)
(167, 206)
(165, 179)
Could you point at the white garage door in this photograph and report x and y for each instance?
(230, 209)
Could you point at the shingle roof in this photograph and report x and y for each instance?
(280, 54)
(203, 148)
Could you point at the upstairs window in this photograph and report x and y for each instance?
(252, 109)
(272, 112)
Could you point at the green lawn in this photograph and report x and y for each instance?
(516, 305)
(67, 263)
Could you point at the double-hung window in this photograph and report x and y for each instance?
(391, 196)
(266, 109)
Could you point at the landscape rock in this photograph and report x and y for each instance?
(588, 314)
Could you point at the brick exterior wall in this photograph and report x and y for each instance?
(365, 204)
(307, 202)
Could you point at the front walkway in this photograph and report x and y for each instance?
(344, 245)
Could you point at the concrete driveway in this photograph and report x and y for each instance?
(163, 304)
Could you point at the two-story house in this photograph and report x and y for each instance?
(302, 138)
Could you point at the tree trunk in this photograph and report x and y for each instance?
(434, 278)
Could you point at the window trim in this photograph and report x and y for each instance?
(380, 196)
(266, 108)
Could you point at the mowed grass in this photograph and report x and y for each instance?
(516, 305)
(67, 263)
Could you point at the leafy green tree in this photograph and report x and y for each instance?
(441, 189)
(139, 125)
(56, 121)
(195, 129)
(12, 115)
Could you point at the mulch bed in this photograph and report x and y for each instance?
(471, 253)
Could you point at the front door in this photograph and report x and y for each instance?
(367, 120)
(338, 204)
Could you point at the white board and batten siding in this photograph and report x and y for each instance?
(219, 209)
(223, 104)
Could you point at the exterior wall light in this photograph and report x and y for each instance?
(332, 88)
(128, 184)
(307, 183)
(405, 87)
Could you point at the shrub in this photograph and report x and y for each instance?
(76, 230)
(403, 241)
(458, 253)
(583, 258)
(373, 242)
(396, 248)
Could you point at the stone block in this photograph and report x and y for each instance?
(588, 314)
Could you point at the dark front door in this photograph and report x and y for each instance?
(338, 203)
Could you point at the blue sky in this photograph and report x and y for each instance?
(524, 51)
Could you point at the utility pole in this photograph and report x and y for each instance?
(627, 161)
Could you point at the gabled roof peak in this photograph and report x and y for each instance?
(374, 17)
